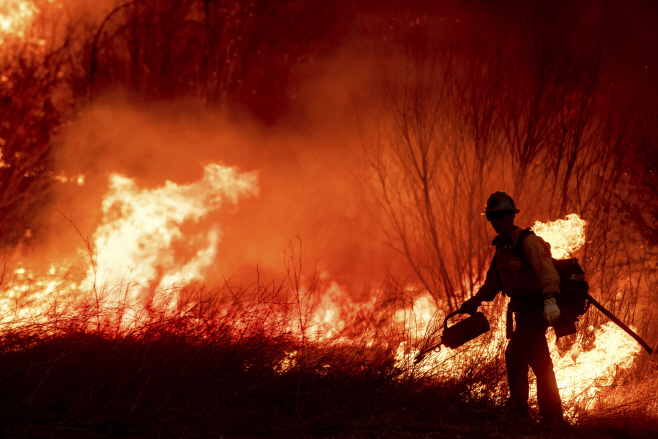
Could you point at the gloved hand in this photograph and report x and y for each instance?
(470, 306)
(551, 311)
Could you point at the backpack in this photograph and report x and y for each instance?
(573, 286)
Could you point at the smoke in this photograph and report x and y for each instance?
(310, 197)
(305, 147)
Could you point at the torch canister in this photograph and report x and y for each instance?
(464, 331)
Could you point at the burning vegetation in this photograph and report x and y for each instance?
(248, 218)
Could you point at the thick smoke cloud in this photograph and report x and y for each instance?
(309, 188)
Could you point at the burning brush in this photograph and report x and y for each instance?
(567, 236)
(457, 334)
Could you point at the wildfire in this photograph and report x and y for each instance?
(16, 16)
(581, 375)
(133, 248)
(565, 235)
(131, 252)
(134, 244)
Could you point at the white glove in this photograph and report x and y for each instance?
(551, 311)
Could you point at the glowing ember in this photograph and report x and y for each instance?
(565, 236)
(16, 17)
(62, 178)
(28, 298)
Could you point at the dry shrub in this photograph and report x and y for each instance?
(243, 362)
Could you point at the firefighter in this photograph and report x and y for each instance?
(532, 288)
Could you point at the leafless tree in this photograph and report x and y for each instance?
(33, 104)
(434, 156)
(214, 50)
(528, 116)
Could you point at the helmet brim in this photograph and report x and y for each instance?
(500, 210)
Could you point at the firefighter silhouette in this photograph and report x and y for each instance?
(532, 287)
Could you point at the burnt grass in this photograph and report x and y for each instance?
(169, 380)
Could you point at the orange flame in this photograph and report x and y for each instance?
(584, 375)
(134, 242)
(16, 17)
(131, 251)
(565, 235)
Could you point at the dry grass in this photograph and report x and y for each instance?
(243, 363)
(236, 367)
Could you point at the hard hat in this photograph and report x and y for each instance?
(500, 201)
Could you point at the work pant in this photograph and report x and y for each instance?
(528, 348)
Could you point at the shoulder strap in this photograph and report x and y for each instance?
(518, 248)
(493, 264)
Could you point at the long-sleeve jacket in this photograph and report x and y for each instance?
(514, 276)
